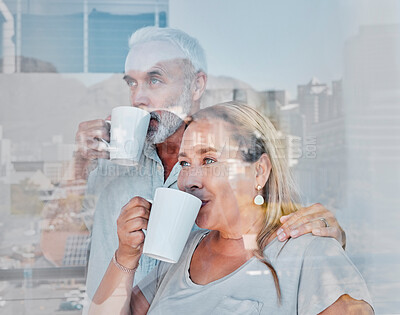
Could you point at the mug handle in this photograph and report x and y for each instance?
(108, 147)
(151, 201)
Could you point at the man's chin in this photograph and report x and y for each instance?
(156, 136)
(153, 125)
(156, 132)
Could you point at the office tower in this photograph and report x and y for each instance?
(371, 90)
(321, 168)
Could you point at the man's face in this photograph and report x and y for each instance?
(155, 74)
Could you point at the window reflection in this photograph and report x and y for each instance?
(62, 63)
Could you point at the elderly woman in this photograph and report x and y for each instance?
(232, 160)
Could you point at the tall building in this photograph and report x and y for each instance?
(318, 160)
(314, 99)
(83, 39)
(371, 91)
(275, 101)
(7, 45)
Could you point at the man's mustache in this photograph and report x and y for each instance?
(155, 116)
(158, 116)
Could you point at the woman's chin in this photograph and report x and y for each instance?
(198, 223)
(201, 223)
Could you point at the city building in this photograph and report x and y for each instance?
(56, 156)
(290, 122)
(371, 93)
(83, 40)
(275, 100)
(314, 98)
(7, 46)
(315, 127)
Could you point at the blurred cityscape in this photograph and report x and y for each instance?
(342, 143)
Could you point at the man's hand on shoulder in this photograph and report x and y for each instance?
(315, 219)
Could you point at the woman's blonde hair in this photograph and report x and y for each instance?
(256, 135)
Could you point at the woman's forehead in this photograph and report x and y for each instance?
(212, 133)
(206, 130)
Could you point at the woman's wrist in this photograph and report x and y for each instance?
(122, 267)
(128, 261)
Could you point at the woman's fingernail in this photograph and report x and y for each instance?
(316, 231)
(279, 231)
(294, 233)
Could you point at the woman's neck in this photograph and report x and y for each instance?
(231, 243)
(220, 245)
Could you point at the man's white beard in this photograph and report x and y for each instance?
(169, 122)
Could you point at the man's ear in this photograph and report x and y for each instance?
(200, 83)
(263, 170)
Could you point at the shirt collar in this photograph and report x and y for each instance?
(150, 151)
(173, 176)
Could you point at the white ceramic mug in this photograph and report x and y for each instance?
(171, 220)
(128, 133)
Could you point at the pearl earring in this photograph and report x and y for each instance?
(259, 199)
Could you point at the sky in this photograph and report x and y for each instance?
(278, 44)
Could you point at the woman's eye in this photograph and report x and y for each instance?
(209, 161)
(184, 163)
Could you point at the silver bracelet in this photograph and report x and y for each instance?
(123, 268)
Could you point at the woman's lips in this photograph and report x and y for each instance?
(203, 203)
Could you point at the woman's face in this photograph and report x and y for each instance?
(213, 171)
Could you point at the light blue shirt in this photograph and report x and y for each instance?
(109, 188)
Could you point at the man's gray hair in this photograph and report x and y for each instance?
(187, 44)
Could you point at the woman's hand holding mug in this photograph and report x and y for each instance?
(130, 224)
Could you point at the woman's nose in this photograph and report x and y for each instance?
(193, 178)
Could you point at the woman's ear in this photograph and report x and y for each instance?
(199, 85)
(263, 170)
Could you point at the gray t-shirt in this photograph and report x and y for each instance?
(313, 273)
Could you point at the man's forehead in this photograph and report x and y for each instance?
(144, 56)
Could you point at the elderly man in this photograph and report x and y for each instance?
(166, 72)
